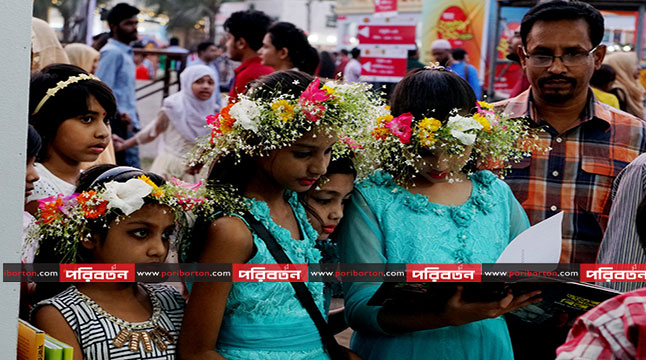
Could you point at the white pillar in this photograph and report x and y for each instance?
(15, 35)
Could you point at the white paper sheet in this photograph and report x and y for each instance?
(539, 244)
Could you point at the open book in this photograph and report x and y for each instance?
(563, 299)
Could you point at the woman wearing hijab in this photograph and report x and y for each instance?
(45, 47)
(182, 119)
(83, 56)
(627, 87)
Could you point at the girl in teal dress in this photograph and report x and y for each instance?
(269, 145)
(425, 207)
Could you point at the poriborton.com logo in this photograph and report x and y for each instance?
(97, 273)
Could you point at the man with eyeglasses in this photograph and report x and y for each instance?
(590, 141)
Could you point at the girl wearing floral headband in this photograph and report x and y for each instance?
(118, 215)
(271, 144)
(426, 207)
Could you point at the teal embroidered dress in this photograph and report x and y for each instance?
(265, 320)
(385, 223)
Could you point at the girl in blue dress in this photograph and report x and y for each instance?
(425, 206)
(271, 144)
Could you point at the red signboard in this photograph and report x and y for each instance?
(377, 66)
(385, 6)
(386, 35)
(443, 272)
(97, 273)
(269, 272)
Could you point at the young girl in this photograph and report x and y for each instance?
(425, 207)
(120, 215)
(34, 144)
(269, 145)
(71, 110)
(182, 120)
(324, 205)
(28, 252)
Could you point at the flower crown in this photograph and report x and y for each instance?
(496, 138)
(67, 218)
(62, 85)
(256, 126)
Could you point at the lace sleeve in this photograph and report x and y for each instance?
(518, 221)
(361, 241)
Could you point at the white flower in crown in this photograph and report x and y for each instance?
(246, 113)
(459, 125)
(127, 197)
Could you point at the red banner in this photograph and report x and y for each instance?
(443, 272)
(386, 35)
(269, 272)
(375, 66)
(97, 272)
(385, 6)
(613, 272)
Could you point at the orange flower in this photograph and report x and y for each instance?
(50, 211)
(91, 210)
(225, 120)
(381, 132)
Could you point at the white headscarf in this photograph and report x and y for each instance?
(186, 112)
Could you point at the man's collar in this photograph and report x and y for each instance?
(119, 44)
(523, 105)
(245, 64)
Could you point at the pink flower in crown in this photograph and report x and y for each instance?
(311, 101)
(401, 127)
(350, 142)
(487, 110)
(186, 185)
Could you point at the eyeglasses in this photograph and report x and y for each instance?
(569, 59)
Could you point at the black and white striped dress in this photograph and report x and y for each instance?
(95, 332)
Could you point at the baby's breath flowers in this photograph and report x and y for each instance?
(496, 139)
(68, 218)
(255, 127)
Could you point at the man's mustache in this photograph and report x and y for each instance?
(547, 79)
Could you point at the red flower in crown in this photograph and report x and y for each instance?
(311, 101)
(401, 127)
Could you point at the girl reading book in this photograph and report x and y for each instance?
(428, 205)
(274, 142)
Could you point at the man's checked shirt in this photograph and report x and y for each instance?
(615, 329)
(576, 176)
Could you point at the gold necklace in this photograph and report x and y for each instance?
(148, 333)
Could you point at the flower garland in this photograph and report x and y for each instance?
(256, 126)
(67, 218)
(497, 140)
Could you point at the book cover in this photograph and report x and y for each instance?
(563, 301)
(52, 351)
(31, 342)
(67, 351)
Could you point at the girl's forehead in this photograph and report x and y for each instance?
(152, 213)
(203, 78)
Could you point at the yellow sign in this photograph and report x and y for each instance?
(461, 22)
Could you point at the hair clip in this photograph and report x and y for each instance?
(435, 66)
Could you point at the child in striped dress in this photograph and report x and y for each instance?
(120, 215)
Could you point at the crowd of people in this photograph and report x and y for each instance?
(304, 169)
